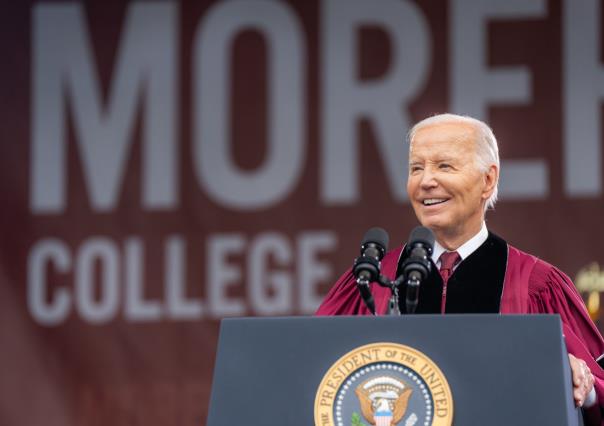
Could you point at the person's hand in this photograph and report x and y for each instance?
(583, 380)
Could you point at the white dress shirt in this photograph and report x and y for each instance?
(465, 249)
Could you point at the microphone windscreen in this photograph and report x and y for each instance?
(377, 236)
(421, 234)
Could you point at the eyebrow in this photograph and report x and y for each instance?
(446, 159)
(439, 160)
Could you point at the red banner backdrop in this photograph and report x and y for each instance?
(168, 164)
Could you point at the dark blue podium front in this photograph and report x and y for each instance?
(502, 370)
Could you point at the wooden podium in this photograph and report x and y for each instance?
(502, 370)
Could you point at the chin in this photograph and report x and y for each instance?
(430, 220)
(438, 226)
(431, 223)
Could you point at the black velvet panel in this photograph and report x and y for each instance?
(475, 286)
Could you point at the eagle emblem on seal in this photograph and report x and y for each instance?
(383, 400)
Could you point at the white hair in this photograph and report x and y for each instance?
(487, 152)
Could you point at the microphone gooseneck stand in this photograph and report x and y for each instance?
(394, 286)
(394, 304)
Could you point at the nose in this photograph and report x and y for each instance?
(428, 179)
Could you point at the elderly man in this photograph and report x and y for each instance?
(453, 176)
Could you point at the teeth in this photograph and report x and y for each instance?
(431, 201)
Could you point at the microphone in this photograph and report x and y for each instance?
(366, 268)
(416, 265)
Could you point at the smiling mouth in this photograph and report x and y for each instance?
(433, 201)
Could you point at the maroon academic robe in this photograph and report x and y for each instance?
(518, 283)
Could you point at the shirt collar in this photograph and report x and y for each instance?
(466, 248)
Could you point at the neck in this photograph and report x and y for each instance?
(453, 240)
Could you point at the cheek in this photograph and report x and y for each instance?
(471, 187)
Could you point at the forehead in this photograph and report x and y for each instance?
(445, 138)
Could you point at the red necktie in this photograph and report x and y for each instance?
(447, 260)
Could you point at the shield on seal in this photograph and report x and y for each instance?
(383, 414)
(383, 400)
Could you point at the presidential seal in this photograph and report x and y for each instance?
(384, 384)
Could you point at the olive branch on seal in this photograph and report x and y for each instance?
(355, 420)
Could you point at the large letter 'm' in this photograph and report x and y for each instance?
(63, 67)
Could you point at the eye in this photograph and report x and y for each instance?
(444, 166)
(415, 168)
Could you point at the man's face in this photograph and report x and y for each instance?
(446, 187)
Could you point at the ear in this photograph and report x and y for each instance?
(491, 177)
